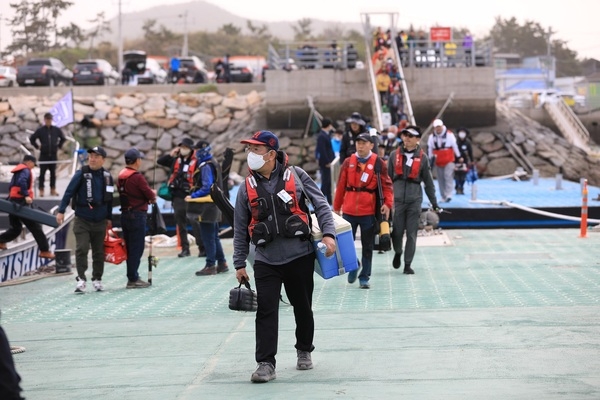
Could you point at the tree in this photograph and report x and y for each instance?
(303, 30)
(230, 29)
(71, 33)
(54, 8)
(101, 26)
(259, 32)
(531, 39)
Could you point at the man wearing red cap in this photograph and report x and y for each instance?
(271, 213)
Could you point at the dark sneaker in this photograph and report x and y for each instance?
(208, 270)
(222, 267)
(184, 253)
(304, 360)
(139, 284)
(408, 270)
(364, 284)
(352, 275)
(265, 372)
(396, 261)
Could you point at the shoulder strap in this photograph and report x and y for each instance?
(299, 183)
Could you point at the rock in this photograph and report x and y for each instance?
(127, 101)
(202, 119)
(501, 166)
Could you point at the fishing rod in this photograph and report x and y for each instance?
(152, 260)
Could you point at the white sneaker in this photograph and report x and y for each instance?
(80, 288)
(98, 286)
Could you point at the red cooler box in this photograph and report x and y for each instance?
(344, 260)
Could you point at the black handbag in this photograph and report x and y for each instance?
(243, 298)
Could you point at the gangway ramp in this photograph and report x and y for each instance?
(569, 125)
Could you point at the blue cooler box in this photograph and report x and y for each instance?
(344, 260)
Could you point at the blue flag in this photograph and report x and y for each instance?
(62, 112)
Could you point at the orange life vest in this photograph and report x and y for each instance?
(15, 191)
(188, 175)
(355, 182)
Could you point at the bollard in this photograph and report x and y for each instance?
(536, 177)
(584, 210)
(63, 260)
(473, 191)
(559, 181)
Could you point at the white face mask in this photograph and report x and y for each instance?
(255, 161)
(184, 151)
(391, 135)
(462, 134)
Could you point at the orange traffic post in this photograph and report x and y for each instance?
(584, 210)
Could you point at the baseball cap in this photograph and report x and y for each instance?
(365, 137)
(438, 122)
(187, 142)
(200, 144)
(98, 150)
(29, 157)
(132, 155)
(411, 132)
(264, 138)
(47, 116)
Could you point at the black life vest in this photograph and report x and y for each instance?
(271, 215)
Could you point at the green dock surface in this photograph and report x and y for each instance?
(489, 314)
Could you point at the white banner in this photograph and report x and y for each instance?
(62, 112)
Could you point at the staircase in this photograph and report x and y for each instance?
(568, 123)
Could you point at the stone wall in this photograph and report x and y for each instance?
(155, 123)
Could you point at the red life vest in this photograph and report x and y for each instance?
(271, 216)
(414, 168)
(15, 191)
(189, 174)
(355, 183)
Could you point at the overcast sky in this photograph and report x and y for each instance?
(574, 21)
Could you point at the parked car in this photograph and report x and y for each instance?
(8, 76)
(192, 70)
(44, 72)
(94, 72)
(142, 69)
(240, 72)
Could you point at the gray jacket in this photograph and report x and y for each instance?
(409, 191)
(281, 250)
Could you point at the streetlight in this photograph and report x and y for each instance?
(184, 48)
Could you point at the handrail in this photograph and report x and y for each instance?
(558, 109)
(407, 103)
(378, 117)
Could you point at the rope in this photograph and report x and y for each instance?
(17, 349)
(533, 210)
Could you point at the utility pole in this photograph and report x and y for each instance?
(184, 48)
(548, 51)
(120, 62)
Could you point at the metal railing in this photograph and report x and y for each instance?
(317, 55)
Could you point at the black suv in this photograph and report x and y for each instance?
(94, 72)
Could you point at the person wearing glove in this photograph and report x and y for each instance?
(408, 167)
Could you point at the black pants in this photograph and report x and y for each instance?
(9, 378)
(43, 169)
(297, 279)
(180, 212)
(16, 226)
(326, 183)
